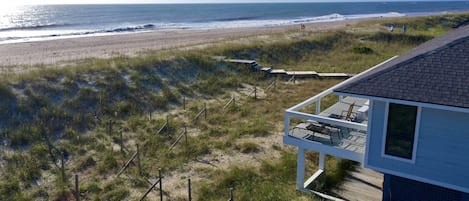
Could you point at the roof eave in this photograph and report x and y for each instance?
(406, 102)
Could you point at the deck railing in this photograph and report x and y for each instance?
(296, 113)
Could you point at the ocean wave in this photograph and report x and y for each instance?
(330, 17)
(236, 19)
(221, 23)
(11, 35)
(35, 27)
(129, 28)
(374, 15)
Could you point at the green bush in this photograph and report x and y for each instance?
(10, 189)
(362, 50)
(249, 147)
(108, 163)
(86, 163)
(273, 181)
(399, 38)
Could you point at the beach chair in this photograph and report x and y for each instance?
(349, 114)
(319, 128)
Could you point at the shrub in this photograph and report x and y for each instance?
(405, 39)
(86, 163)
(249, 147)
(108, 164)
(362, 50)
(9, 188)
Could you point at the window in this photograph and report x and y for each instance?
(400, 130)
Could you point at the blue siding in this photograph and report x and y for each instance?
(401, 189)
(442, 150)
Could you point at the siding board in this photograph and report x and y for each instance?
(442, 151)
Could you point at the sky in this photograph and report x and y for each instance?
(28, 2)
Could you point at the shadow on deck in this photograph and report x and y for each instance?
(334, 135)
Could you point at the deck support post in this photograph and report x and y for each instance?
(300, 169)
(322, 161)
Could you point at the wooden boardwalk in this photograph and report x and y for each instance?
(282, 72)
(361, 184)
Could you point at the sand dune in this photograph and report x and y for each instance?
(54, 51)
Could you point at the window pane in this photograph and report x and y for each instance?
(400, 130)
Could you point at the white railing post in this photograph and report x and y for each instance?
(341, 98)
(300, 169)
(318, 105)
(287, 123)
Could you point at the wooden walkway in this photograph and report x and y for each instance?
(282, 72)
(361, 184)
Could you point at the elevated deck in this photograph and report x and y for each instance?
(340, 130)
(344, 139)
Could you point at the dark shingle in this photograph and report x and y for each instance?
(435, 72)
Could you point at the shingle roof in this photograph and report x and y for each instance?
(435, 72)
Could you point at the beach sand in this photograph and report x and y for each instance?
(60, 50)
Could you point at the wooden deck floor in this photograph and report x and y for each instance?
(342, 107)
(348, 139)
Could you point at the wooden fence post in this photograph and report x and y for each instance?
(184, 102)
(63, 166)
(121, 141)
(231, 194)
(161, 185)
(185, 135)
(205, 110)
(110, 127)
(255, 92)
(77, 189)
(139, 165)
(189, 189)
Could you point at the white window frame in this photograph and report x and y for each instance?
(416, 135)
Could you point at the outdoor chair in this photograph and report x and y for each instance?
(321, 128)
(349, 114)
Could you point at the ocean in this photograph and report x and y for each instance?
(46, 22)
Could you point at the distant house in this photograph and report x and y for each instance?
(407, 118)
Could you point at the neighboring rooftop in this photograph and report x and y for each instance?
(435, 72)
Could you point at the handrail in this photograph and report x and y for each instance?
(328, 120)
(330, 90)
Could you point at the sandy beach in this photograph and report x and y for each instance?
(59, 50)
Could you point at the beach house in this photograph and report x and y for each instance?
(407, 117)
